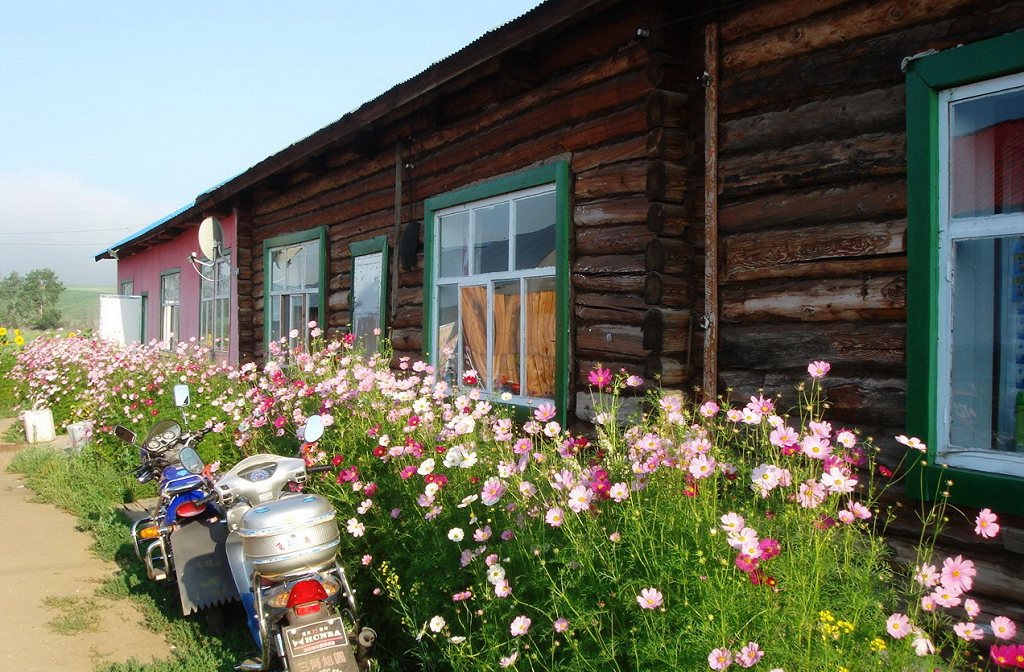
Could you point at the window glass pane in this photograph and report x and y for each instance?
(127, 287)
(277, 271)
(490, 238)
(170, 286)
(987, 148)
(540, 337)
(312, 315)
(223, 323)
(206, 288)
(312, 277)
(366, 298)
(987, 365)
(276, 329)
(294, 267)
(473, 309)
(535, 231)
(507, 335)
(448, 332)
(295, 322)
(454, 239)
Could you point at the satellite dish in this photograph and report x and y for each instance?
(211, 237)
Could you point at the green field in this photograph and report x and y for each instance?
(80, 307)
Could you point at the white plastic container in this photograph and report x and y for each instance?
(78, 433)
(39, 426)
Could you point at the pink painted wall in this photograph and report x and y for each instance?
(144, 270)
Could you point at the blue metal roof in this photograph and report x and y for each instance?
(143, 231)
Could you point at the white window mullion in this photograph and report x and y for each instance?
(523, 326)
(490, 335)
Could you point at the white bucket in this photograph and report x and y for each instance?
(39, 426)
(78, 434)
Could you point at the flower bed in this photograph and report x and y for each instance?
(690, 537)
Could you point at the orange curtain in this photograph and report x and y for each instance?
(506, 341)
(474, 329)
(540, 344)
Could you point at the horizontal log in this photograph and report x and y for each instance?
(667, 331)
(628, 239)
(880, 110)
(831, 300)
(413, 279)
(750, 255)
(623, 150)
(812, 164)
(667, 290)
(407, 339)
(608, 340)
(666, 108)
(409, 296)
(860, 201)
(666, 370)
(828, 268)
(670, 144)
(408, 316)
(624, 284)
(610, 264)
(338, 301)
(622, 210)
(843, 25)
(608, 307)
(628, 178)
(668, 220)
(668, 256)
(666, 181)
(770, 15)
(669, 73)
(851, 347)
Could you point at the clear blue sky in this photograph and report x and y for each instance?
(113, 114)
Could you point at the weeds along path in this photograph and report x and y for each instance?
(51, 617)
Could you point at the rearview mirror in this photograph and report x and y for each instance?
(190, 460)
(181, 395)
(314, 429)
(125, 434)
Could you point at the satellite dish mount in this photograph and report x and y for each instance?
(211, 243)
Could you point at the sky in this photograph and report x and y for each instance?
(114, 114)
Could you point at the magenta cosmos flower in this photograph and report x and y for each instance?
(818, 369)
(650, 598)
(599, 377)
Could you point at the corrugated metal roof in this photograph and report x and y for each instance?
(143, 231)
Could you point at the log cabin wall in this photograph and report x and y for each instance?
(813, 215)
(608, 99)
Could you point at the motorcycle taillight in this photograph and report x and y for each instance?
(307, 592)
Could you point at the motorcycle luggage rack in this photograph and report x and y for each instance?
(157, 552)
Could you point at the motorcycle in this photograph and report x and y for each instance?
(282, 549)
(182, 536)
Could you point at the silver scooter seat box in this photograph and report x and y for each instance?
(290, 536)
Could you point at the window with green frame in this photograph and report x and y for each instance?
(170, 308)
(965, 253)
(295, 275)
(496, 291)
(368, 301)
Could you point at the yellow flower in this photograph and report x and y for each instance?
(3, 331)
(17, 332)
(878, 644)
(19, 340)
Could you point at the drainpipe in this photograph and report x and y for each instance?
(710, 319)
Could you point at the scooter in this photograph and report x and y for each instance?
(182, 532)
(282, 550)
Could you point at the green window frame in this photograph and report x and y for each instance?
(927, 77)
(170, 308)
(215, 305)
(368, 296)
(558, 177)
(281, 299)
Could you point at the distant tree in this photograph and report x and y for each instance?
(42, 290)
(31, 300)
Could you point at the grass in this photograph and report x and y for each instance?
(93, 491)
(75, 614)
(80, 307)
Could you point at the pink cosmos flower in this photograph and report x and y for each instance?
(720, 659)
(520, 626)
(1007, 655)
(510, 660)
(837, 481)
(958, 574)
(750, 655)
(968, 631)
(709, 409)
(972, 608)
(634, 381)
(810, 494)
(561, 625)
(818, 369)
(702, 466)
(985, 524)
(815, 447)
(898, 626)
(619, 492)
(947, 597)
(544, 412)
(492, 491)
(1003, 628)
(554, 517)
(927, 576)
(599, 377)
(580, 498)
(650, 598)
(770, 548)
(732, 521)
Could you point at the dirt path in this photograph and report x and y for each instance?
(47, 572)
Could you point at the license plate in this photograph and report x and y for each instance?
(319, 647)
